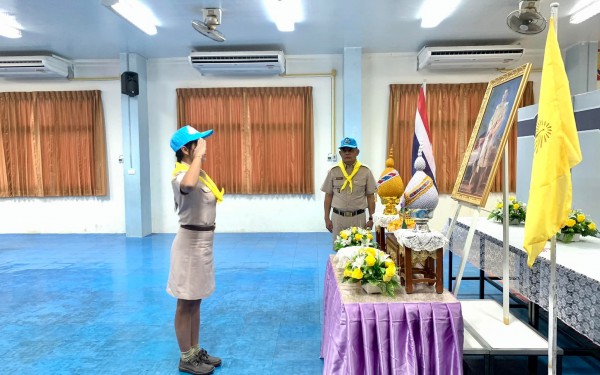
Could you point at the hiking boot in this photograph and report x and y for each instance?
(196, 367)
(204, 357)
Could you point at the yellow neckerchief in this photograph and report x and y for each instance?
(180, 167)
(348, 178)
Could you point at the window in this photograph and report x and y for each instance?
(263, 140)
(52, 144)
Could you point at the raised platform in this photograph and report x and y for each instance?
(486, 334)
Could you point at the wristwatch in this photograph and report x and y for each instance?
(370, 218)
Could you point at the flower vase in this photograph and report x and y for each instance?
(562, 238)
(371, 288)
(514, 222)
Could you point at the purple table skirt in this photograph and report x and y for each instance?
(389, 338)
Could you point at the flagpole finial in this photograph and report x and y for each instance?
(554, 14)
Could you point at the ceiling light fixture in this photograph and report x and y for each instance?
(9, 27)
(134, 12)
(433, 12)
(587, 11)
(285, 13)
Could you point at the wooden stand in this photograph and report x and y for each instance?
(380, 237)
(433, 265)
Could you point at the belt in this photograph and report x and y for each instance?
(199, 228)
(348, 213)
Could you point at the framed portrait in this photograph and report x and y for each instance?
(489, 137)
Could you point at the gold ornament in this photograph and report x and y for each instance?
(390, 187)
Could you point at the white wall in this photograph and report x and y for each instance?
(236, 213)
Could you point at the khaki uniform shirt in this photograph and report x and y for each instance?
(363, 184)
(198, 207)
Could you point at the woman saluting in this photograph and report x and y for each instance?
(192, 274)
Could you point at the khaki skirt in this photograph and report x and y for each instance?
(192, 272)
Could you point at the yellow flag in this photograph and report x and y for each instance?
(556, 152)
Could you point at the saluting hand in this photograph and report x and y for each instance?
(200, 150)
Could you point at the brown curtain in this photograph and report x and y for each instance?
(52, 144)
(263, 141)
(452, 111)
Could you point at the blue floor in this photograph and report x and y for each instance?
(76, 304)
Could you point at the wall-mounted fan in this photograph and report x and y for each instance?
(526, 19)
(208, 27)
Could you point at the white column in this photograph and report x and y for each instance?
(136, 160)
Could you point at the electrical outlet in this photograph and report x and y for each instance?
(331, 157)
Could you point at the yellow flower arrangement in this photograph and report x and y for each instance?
(516, 211)
(375, 267)
(354, 236)
(577, 223)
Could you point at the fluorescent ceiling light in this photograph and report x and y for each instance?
(9, 27)
(589, 9)
(433, 12)
(285, 13)
(134, 12)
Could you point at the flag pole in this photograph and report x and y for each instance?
(505, 242)
(552, 287)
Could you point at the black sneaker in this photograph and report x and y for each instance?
(204, 357)
(195, 367)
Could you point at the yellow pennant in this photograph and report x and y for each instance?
(349, 177)
(180, 167)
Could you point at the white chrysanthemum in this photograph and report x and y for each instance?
(358, 262)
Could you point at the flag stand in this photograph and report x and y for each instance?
(468, 242)
(505, 240)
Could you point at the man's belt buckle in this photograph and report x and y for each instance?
(348, 213)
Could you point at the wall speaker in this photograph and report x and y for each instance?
(129, 84)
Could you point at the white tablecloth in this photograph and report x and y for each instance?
(577, 268)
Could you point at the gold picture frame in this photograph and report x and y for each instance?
(487, 142)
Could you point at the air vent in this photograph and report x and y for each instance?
(50, 66)
(238, 63)
(471, 57)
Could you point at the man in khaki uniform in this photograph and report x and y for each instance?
(349, 189)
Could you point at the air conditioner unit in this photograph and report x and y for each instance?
(238, 63)
(468, 57)
(49, 66)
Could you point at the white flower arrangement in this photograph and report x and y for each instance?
(372, 266)
(354, 236)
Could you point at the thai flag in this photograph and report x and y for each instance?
(423, 137)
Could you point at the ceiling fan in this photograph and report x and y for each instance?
(527, 19)
(208, 27)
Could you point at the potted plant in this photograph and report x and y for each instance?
(374, 269)
(516, 212)
(576, 226)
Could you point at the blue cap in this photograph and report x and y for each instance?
(348, 143)
(185, 135)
